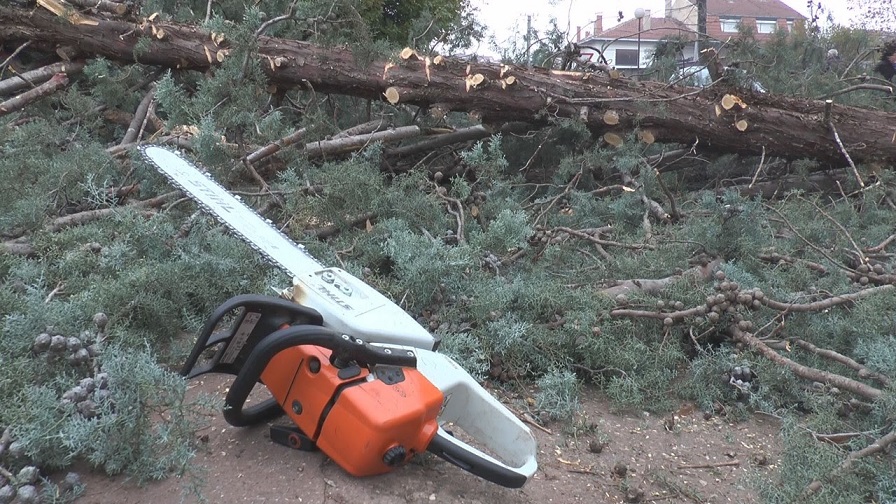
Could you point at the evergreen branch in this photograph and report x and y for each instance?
(675, 215)
(674, 315)
(653, 207)
(455, 208)
(808, 373)
(877, 446)
(806, 241)
(826, 303)
(882, 245)
(17, 248)
(86, 216)
(775, 258)
(19, 102)
(834, 221)
(862, 371)
(331, 229)
(857, 87)
(476, 132)
(274, 147)
(355, 143)
(828, 105)
(589, 234)
(566, 190)
(12, 56)
(656, 286)
(31, 78)
(139, 120)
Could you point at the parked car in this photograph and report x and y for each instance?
(698, 76)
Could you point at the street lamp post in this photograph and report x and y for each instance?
(639, 13)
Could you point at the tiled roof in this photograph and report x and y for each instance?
(770, 9)
(659, 28)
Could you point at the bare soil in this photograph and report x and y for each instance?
(676, 458)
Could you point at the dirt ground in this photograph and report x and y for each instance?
(679, 457)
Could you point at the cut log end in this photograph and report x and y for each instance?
(613, 139)
(611, 117)
(392, 95)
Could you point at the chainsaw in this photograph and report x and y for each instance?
(359, 378)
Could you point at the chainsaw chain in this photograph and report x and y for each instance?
(243, 206)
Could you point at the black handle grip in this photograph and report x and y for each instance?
(346, 347)
(275, 312)
(443, 446)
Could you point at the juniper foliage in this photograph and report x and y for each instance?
(511, 302)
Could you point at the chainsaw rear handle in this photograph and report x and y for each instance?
(345, 347)
(468, 407)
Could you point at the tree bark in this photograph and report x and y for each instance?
(783, 126)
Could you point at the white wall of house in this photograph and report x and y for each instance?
(647, 49)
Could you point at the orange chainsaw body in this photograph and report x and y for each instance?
(368, 425)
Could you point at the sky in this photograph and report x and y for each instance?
(503, 17)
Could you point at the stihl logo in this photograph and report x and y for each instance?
(334, 298)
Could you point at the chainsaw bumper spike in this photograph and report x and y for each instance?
(359, 378)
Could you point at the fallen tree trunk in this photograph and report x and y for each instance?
(783, 126)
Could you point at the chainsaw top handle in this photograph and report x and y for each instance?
(345, 349)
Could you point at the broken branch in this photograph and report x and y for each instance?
(31, 78)
(57, 82)
(841, 382)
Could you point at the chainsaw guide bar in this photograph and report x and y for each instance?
(357, 375)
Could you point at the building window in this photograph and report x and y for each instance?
(766, 26)
(729, 25)
(627, 57)
(790, 26)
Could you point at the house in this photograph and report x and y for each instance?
(632, 43)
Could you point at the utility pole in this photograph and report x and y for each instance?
(701, 25)
(528, 41)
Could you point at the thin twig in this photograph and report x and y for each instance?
(807, 242)
(758, 169)
(710, 466)
(828, 105)
(839, 226)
